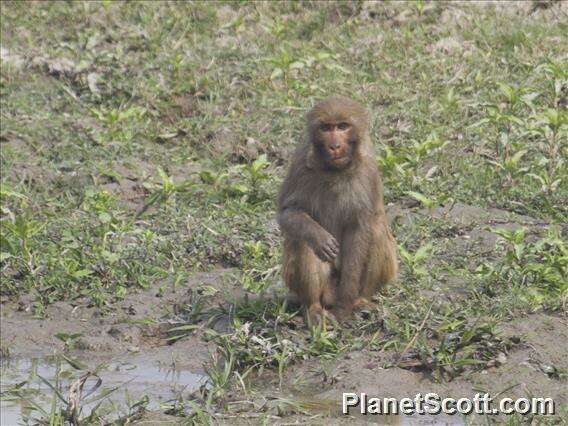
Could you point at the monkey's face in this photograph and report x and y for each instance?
(335, 143)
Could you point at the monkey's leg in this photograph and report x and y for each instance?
(308, 277)
(382, 265)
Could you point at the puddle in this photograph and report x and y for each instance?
(428, 419)
(332, 408)
(135, 378)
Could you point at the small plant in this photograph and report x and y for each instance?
(415, 261)
(259, 267)
(114, 120)
(166, 190)
(68, 339)
(548, 183)
(219, 374)
(425, 201)
(392, 164)
(510, 165)
(255, 174)
(420, 150)
(324, 343)
(284, 63)
(400, 168)
(537, 270)
(22, 229)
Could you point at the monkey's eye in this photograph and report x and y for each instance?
(326, 127)
(343, 126)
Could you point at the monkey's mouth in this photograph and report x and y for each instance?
(339, 161)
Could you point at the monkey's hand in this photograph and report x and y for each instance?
(325, 246)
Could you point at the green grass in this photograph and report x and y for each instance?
(146, 141)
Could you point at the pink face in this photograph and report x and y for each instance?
(334, 141)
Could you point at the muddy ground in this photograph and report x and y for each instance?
(137, 330)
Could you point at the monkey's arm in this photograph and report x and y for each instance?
(299, 225)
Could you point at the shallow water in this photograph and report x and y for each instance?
(333, 409)
(134, 377)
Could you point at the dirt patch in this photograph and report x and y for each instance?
(545, 337)
(467, 215)
(542, 337)
(136, 325)
(467, 228)
(130, 192)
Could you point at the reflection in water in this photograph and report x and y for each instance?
(135, 379)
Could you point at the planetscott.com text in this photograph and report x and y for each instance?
(432, 403)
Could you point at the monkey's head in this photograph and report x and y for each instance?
(337, 127)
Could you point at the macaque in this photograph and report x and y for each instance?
(338, 248)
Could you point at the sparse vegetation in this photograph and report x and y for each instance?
(142, 145)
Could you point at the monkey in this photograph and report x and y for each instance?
(338, 248)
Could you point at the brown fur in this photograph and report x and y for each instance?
(338, 249)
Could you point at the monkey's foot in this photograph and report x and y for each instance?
(362, 304)
(317, 316)
(363, 308)
(342, 313)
